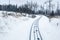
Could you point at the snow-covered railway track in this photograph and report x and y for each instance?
(34, 31)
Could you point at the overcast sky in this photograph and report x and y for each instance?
(19, 2)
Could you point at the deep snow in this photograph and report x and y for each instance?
(50, 30)
(12, 28)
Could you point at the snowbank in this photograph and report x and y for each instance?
(49, 30)
(12, 28)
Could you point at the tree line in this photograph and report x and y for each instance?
(26, 8)
(30, 8)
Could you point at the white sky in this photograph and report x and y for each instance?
(19, 2)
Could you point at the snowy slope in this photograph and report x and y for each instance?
(49, 30)
(12, 28)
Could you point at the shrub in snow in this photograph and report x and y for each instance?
(33, 16)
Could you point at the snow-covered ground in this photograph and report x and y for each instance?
(12, 28)
(50, 30)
